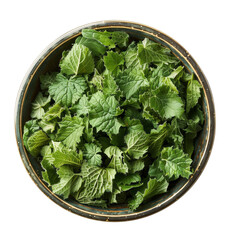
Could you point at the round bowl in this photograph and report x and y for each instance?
(49, 59)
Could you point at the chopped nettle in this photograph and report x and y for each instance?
(117, 123)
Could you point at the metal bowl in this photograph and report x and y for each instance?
(48, 61)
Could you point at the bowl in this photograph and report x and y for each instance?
(48, 60)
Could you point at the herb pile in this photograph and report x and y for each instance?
(117, 123)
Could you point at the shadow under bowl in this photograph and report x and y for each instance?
(48, 61)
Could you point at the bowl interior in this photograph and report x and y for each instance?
(49, 62)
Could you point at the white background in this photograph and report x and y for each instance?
(210, 31)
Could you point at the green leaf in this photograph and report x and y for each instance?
(131, 57)
(109, 85)
(53, 112)
(163, 101)
(112, 61)
(96, 181)
(71, 129)
(47, 127)
(136, 166)
(154, 187)
(193, 94)
(30, 127)
(38, 106)
(156, 139)
(36, 141)
(46, 153)
(49, 174)
(137, 143)
(174, 162)
(132, 102)
(49, 120)
(91, 154)
(155, 171)
(103, 37)
(97, 48)
(128, 179)
(67, 157)
(133, 124)
(67, 178)
(120, 38)
(149, 51)
(47, 80)
(104, 112)
(128, 182)
(97, 80)
(175, 136)
(78, 60)
(130, 81)
(88, 131)
(82, 107)
(176, 73)
(109, 39)
(117, 160)
(67, 90)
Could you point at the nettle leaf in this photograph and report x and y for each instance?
(91, 154)
(125, 183)
(104, 112)
(137, 143)
(109, 39)
(155, 171)
(36, 141)
(103, 37)
(67, 90)
(112, 61)
(38, 106)
(130, 81)
(97, 181)
(67, 179)
(175, 134)
(53, 112)
(49, 174)
(176, 73)
(78, 60)
(174, 162)
(88, 131)
(122, 180)
(70, 131)
(163, 101)
(136, 166)
(156, 139)
(30, 127)
(153, 188)
(67, 157)
(109, 85)
(120, 38)
(149, 51)
(117, 160)
(193, 94)
(47, 127)
(49, 119)
(82, 107)
(131, 57)
(97, 48)
(97, 80)
(47, 80)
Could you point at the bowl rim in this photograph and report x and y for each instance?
(104, 25)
